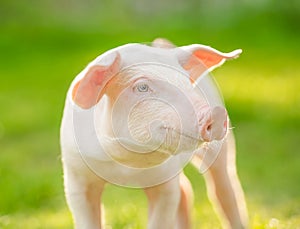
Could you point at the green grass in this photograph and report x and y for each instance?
(38, 61)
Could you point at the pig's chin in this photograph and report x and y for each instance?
(133, 154)
(152, 153)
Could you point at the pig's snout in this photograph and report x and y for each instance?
(213, 126)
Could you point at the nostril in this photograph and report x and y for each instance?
(207, 131)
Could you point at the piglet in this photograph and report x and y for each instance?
(135, 116)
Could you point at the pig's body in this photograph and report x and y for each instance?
(133, 118)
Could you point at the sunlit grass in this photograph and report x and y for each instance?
(37, 219)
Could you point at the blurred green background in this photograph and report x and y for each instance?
(44, 44)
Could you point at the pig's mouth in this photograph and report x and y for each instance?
(171, 144)
(172, 129)
(175, 138)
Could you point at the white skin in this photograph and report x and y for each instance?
(170, 203)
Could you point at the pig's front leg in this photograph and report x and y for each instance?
(83, 192)
(164, 201)
(184, 215)
(224, 188)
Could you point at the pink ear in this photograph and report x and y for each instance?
(89, 90)
(202, 58)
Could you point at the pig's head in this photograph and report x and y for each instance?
(153, 107)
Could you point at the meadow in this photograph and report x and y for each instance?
(41, 51)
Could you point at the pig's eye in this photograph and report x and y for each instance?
(142, 87)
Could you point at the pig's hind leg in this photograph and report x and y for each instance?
(170, 204)
(163, 201)
(224, 188)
